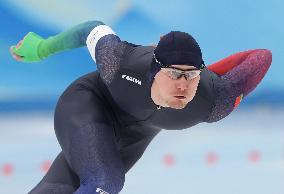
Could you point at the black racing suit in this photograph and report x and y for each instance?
(105, 120)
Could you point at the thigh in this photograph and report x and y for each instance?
(84, 129)
(59, 179)
(133, 142)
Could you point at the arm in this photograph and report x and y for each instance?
(34, 48)
(239, 74)
(104, 46)
(223, 66)
(107, 51)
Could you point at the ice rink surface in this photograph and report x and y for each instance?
(242, 154)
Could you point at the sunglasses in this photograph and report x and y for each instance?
(175, 74)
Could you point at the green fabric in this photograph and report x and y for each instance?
(29, 47)
(72, 38)
(34, 48)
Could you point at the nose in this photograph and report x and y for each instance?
(182, 84)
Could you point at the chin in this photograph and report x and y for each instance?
(177, 104)
(178, 107)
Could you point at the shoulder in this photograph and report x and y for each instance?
(206, 84)
(225, 99)
(138, 55)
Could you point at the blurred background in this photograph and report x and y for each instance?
(243, 153)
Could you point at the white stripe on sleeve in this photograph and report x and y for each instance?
(95, 35)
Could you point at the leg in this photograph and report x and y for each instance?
(95, 158)
(85, 132)
(60, 179)
(133, 142)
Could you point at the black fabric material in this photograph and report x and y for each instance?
(60, 179)
(99, 142)
(179, 48)
(137, 101)
(103, 129)
(104, 126)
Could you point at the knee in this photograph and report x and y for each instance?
(100, 185)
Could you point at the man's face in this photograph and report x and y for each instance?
(176, 93)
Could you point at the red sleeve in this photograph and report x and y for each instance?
(239, 75)
(223, 66)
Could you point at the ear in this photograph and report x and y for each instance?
(157, 74)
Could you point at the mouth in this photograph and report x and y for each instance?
(180, 97)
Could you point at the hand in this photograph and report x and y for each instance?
(27, 49)
(15, 56)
